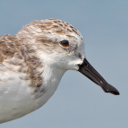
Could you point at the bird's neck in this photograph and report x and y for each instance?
(52, 76)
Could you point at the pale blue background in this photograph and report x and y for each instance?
(79, 103)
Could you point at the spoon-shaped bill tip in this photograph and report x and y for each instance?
(86, 69)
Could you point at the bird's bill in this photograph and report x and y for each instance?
(86, 69)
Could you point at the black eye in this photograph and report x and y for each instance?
(64, 43)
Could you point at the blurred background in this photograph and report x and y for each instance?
(78, 102)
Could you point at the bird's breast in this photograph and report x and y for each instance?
(18, 98)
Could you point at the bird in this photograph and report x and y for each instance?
(33, 61)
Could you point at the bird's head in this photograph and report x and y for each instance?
(61, 45)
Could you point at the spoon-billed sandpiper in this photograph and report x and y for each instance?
(33, 61)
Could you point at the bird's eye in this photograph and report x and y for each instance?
(64, 43)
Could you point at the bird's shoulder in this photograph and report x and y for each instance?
(19, 58)
(9, 47)
(10, 56)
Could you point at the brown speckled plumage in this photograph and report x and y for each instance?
(20, 50)
(14, 53)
